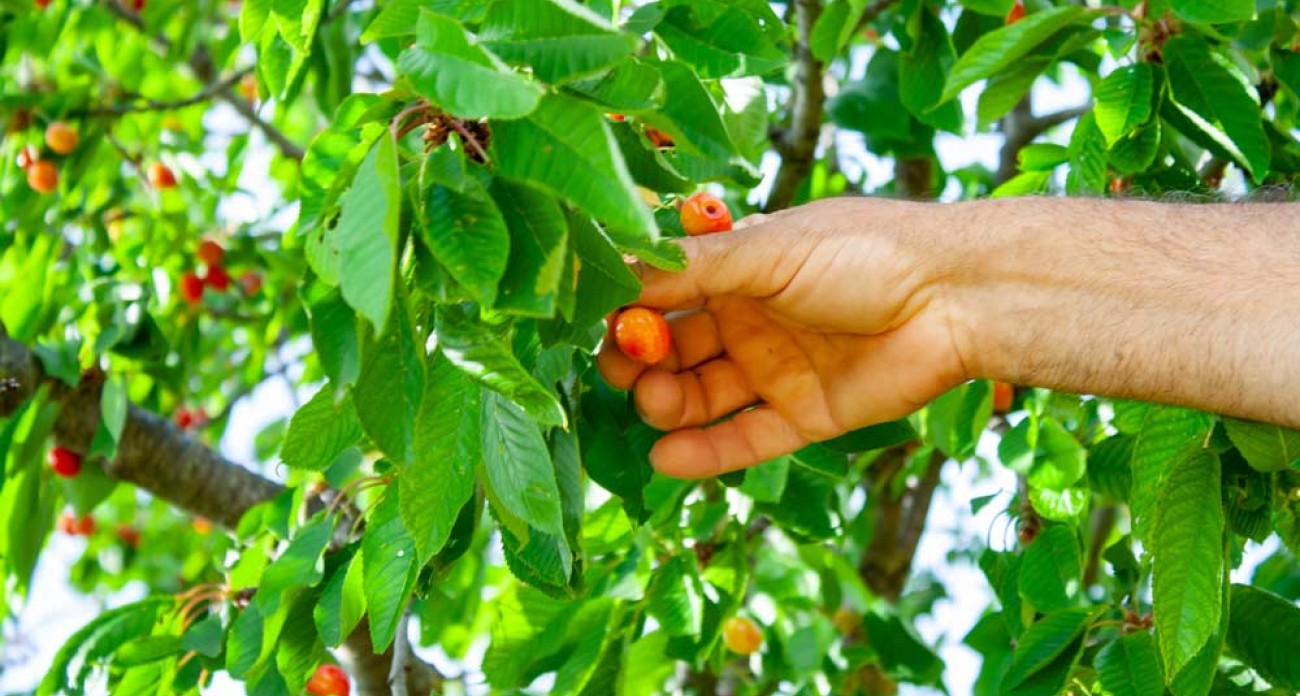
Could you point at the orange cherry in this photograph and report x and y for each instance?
(642, 334)
(43, 176)
(61, 138)
(161, 176)
(704, 213)
(742, 635)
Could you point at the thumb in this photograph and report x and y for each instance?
(756, 261)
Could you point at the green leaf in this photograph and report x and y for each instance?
(1167, 436)
(113, 408)
(342, 602)
(647, 164)
(367, 234)
(96, 641)
(447, 67)
(1000, 49)
(320, 431)
(957, 419)
(448, 449)
(604, 280)
(1042, 157)
(873, 437)
(1262, 631)
(1187, 547)
(629, 86)
(559, 39)
(719, 39)
(1087, 158)
(474, 349)
(1214, 11)
(1052, 569)
(690, 115)
(538, 249)
(1267, 448)
(1205, 90)
(1136, 152)
(518, 465)
(675, 596)
(298, 566)
(389, 568)
(401, 17)
(527, 627)
(467, 234)
(900, 650)
(922, 70)
(1044, 641)
(1005, 89)
(1130, 666)
(566, 149)
(205, 637)
(1108, 467)
(1123, 101)
(388, 394)
(334, 336)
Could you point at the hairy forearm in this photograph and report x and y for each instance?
(1195, 305)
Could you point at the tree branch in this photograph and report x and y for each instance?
(898, 524)
(209, 92)
(797, 144)
(157, 456)
(397, 678)
(201, 64)
(1020, 127)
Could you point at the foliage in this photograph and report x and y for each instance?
(434, 268)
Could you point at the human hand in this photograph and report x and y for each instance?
(795, 328)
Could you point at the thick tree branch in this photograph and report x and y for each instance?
(899, 523)
(159, 457)
(797, 144)
(201, 64)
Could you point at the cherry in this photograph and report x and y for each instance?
(329, 680)
(217, 279)
(250, 282)
(43, 176)
(72, 525)
(161, 176)
(191, 288)
(1003, 395)
(1017, 13)
(128, 535)
(210, 253)
(703, 213)
(617, 117)
(658, 137)
(42, 4)
(642, 334)
(172, 123)
(248, 88)
(846, 621)
(742, 635)
(64, 462)
(28, 156)
(201, 526)
(137, 5)
(61, 138)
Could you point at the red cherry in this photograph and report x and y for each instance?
(617, 117)
(42, 4)
(217, 279)
(128, 535)
(329, 680)
(642, 334)
(85, 526)
(191, 288)
(68, 523)
(210, 253)
(1003, 395)
(1017, 13)
(65, 462)
(161, 176)
(703, 213)
(658, 137)
(250, 282)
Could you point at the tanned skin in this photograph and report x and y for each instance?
(842, 313)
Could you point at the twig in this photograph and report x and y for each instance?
(401, 650)
(797, 144)
(201, 63)
(209, 92)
